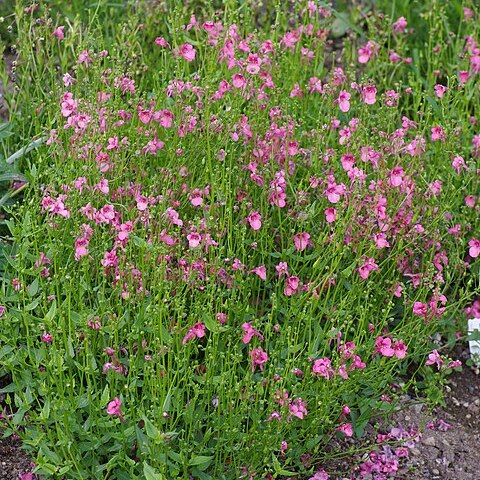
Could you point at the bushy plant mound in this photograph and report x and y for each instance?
(229, 248)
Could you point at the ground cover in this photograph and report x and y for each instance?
(233, 234)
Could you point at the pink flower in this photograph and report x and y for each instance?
(440, 90)
(164, 117)
(260, 271)
(239, 81)
(366, 52)
(420, 309)
(174, 217)
(400, 349)
(322, 367)
(187, 52)
(320, 475)
(474, 250)
(3, 309)
(249, 333)
(343, 101)
(194, 239)
(301, 240)
(255, 220)
(395, 176)
(346, 428)
(197, 331)
(114, 408)
(463, 76)
(384, 347)
(298, 408)
(458, 164)
(291, 286)
(142, 203)
(144, 116)
(81, 248)
(368, 266)
(434, 358)
(282, 269)
(369, 94)
(47, 337)
(400, 25)
(254, 62)
(330, 215)
(161, 42)
(58, 32)
(259, 357)
(438, 133)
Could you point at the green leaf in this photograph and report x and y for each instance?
(200, 461)
(12, 176)
(151, 474)
(5, 130)
(32, 289)
(24, 150)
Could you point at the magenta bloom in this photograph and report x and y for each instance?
(259, 357)
(322, 367)
(384, 347)
(249, 333)
(58, 32)
(346, 428)
(260, 271)
(238, 80)
(291, 286)
(114, 408)
(194, 239)
(369, 94)
(187, 52)
(474, 250)
(330, 215)
(301, 241)
(197, 331)
(420, 309)
(298, 408)
(255, 220)
(343, 101)
(434, 358)
(400, 25)
(440, 90)
(368, 266)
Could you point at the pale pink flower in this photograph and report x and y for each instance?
(291, 286)
(194, 239)
(58, 32)
(440, 90)
(346, 428)
(187, 51)
(384, 347)
(343, 101)
(260, 271)
(255, 220)
(400, 25)
(298, 408)
(367, 267)
(330, 215)
(438, 133)
(249, 333)
(322, 367)
(114, 408)
(259, 358)
(369, 94)
(197, 331)
(434, 358)
(238, 80)
(474, 250)
(301, 240)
